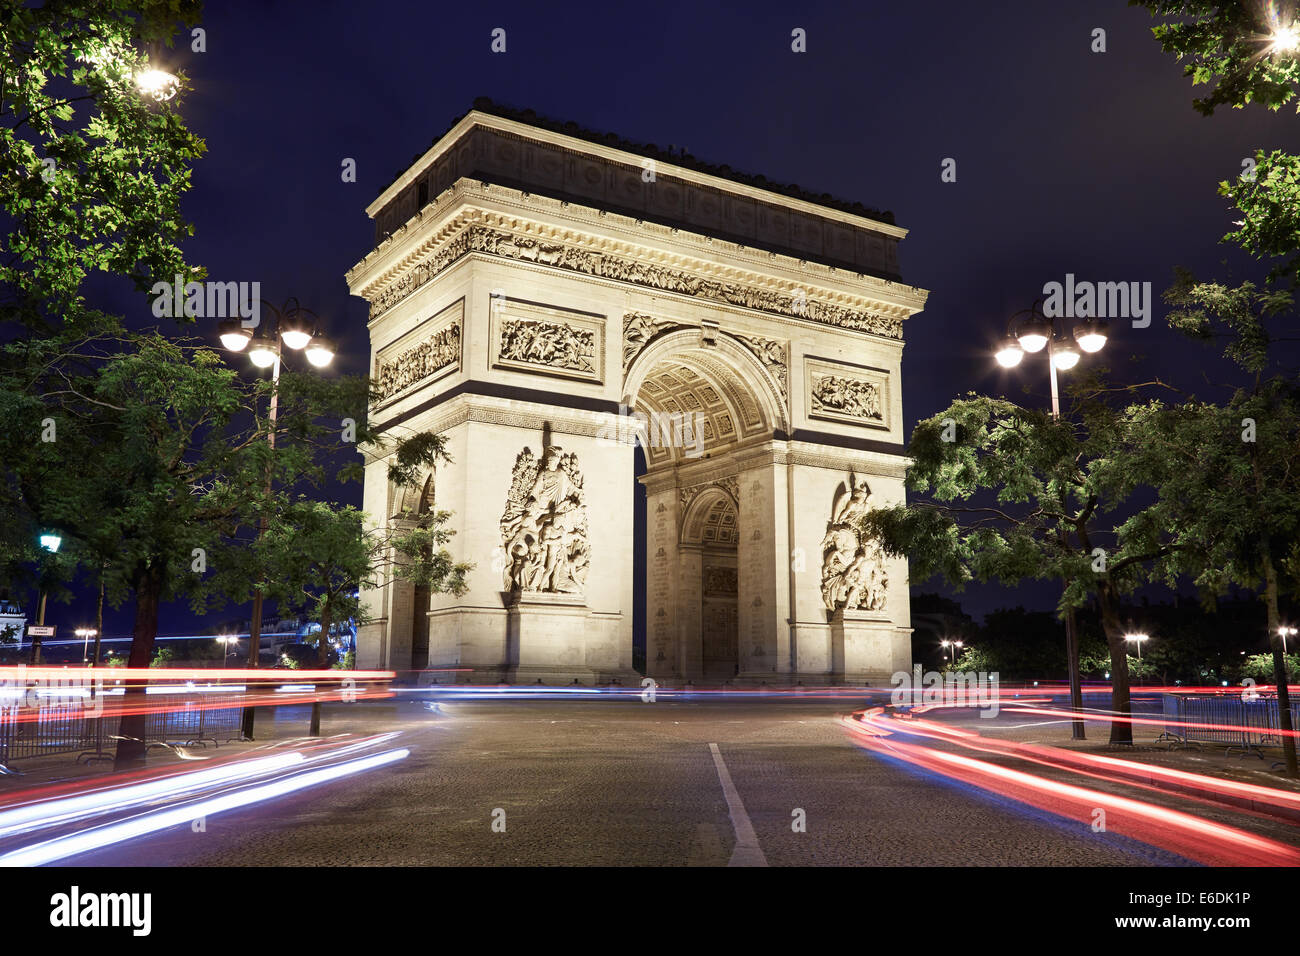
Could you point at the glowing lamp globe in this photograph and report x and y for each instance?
(320, 351)
(1064, 356)
(157, 85)
(1091, 336)
(1009, 353)
(262, 351)
(295, 333)
(1033, 335)
(233, 335)
(1286, 39)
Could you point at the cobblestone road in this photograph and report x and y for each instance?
(625, 783)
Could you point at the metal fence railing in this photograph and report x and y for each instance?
(70, 726)
(187, 720)
(1240, 724)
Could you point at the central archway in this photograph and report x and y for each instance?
(700, 403)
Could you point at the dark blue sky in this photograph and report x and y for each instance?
(1067, 160)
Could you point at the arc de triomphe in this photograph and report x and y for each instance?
(542, 297)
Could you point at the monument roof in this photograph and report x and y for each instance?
(679, 158)
(519, 150)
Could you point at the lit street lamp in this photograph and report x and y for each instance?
(51, 542)
(1285, 632)
(1033, 334)
(951, 654)
(295, 329)
(153, 81)
(85, 633)
(1283, 39)
(1137, 639)
(226, 640)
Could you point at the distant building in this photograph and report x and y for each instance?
(13, 623)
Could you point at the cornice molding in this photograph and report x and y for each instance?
(465, 229)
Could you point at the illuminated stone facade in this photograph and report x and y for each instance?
(544, 300)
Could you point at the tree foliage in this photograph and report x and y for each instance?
(91, 171)
(1004, 493)
(1228, 44)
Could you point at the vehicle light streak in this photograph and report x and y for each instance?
(1188, 836)
(1268, 801)
(150, 675)
(61, 848)
(1152, 721)
(122, 705)
(48, 812)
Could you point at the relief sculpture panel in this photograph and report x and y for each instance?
(397, 369)
(853, 569)
(544, 525)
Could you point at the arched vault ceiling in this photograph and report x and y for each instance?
(706, 391)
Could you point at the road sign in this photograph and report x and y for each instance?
(40, 630)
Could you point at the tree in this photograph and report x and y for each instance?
(180, 457)
(91, 171)
(1243, 49)
(1049, 486)
(1226, 475)
(1260, 667)
(322, 554)
(1250, 54)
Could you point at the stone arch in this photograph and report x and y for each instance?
(728, 366)
(711, 518)
(412, 502)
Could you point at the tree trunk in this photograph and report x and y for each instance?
(1121, 730)
(1072, 665)
(1280, 675)
(254, 660)
(323, 662)
(99, 621)
(131, 745)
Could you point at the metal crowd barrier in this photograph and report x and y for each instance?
(191, 720)
(1243, 725)
(70, 726)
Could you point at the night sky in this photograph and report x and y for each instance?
(1067, 160)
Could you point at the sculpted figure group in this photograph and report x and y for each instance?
(544, 527)
(853, 570)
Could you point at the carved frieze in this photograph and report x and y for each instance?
(554, 344)
(773, 355)
(848, 393)
(399, 368)
(483, 239)
(535, 338)
(846, 396)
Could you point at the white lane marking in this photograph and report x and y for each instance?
(747, 852)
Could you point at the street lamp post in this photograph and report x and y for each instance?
(1035, 333)
(50, 542)
(1137, 640)
(295, 329)
(950, 650)
(1284, 632)
(226, 641)
(85, 633)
